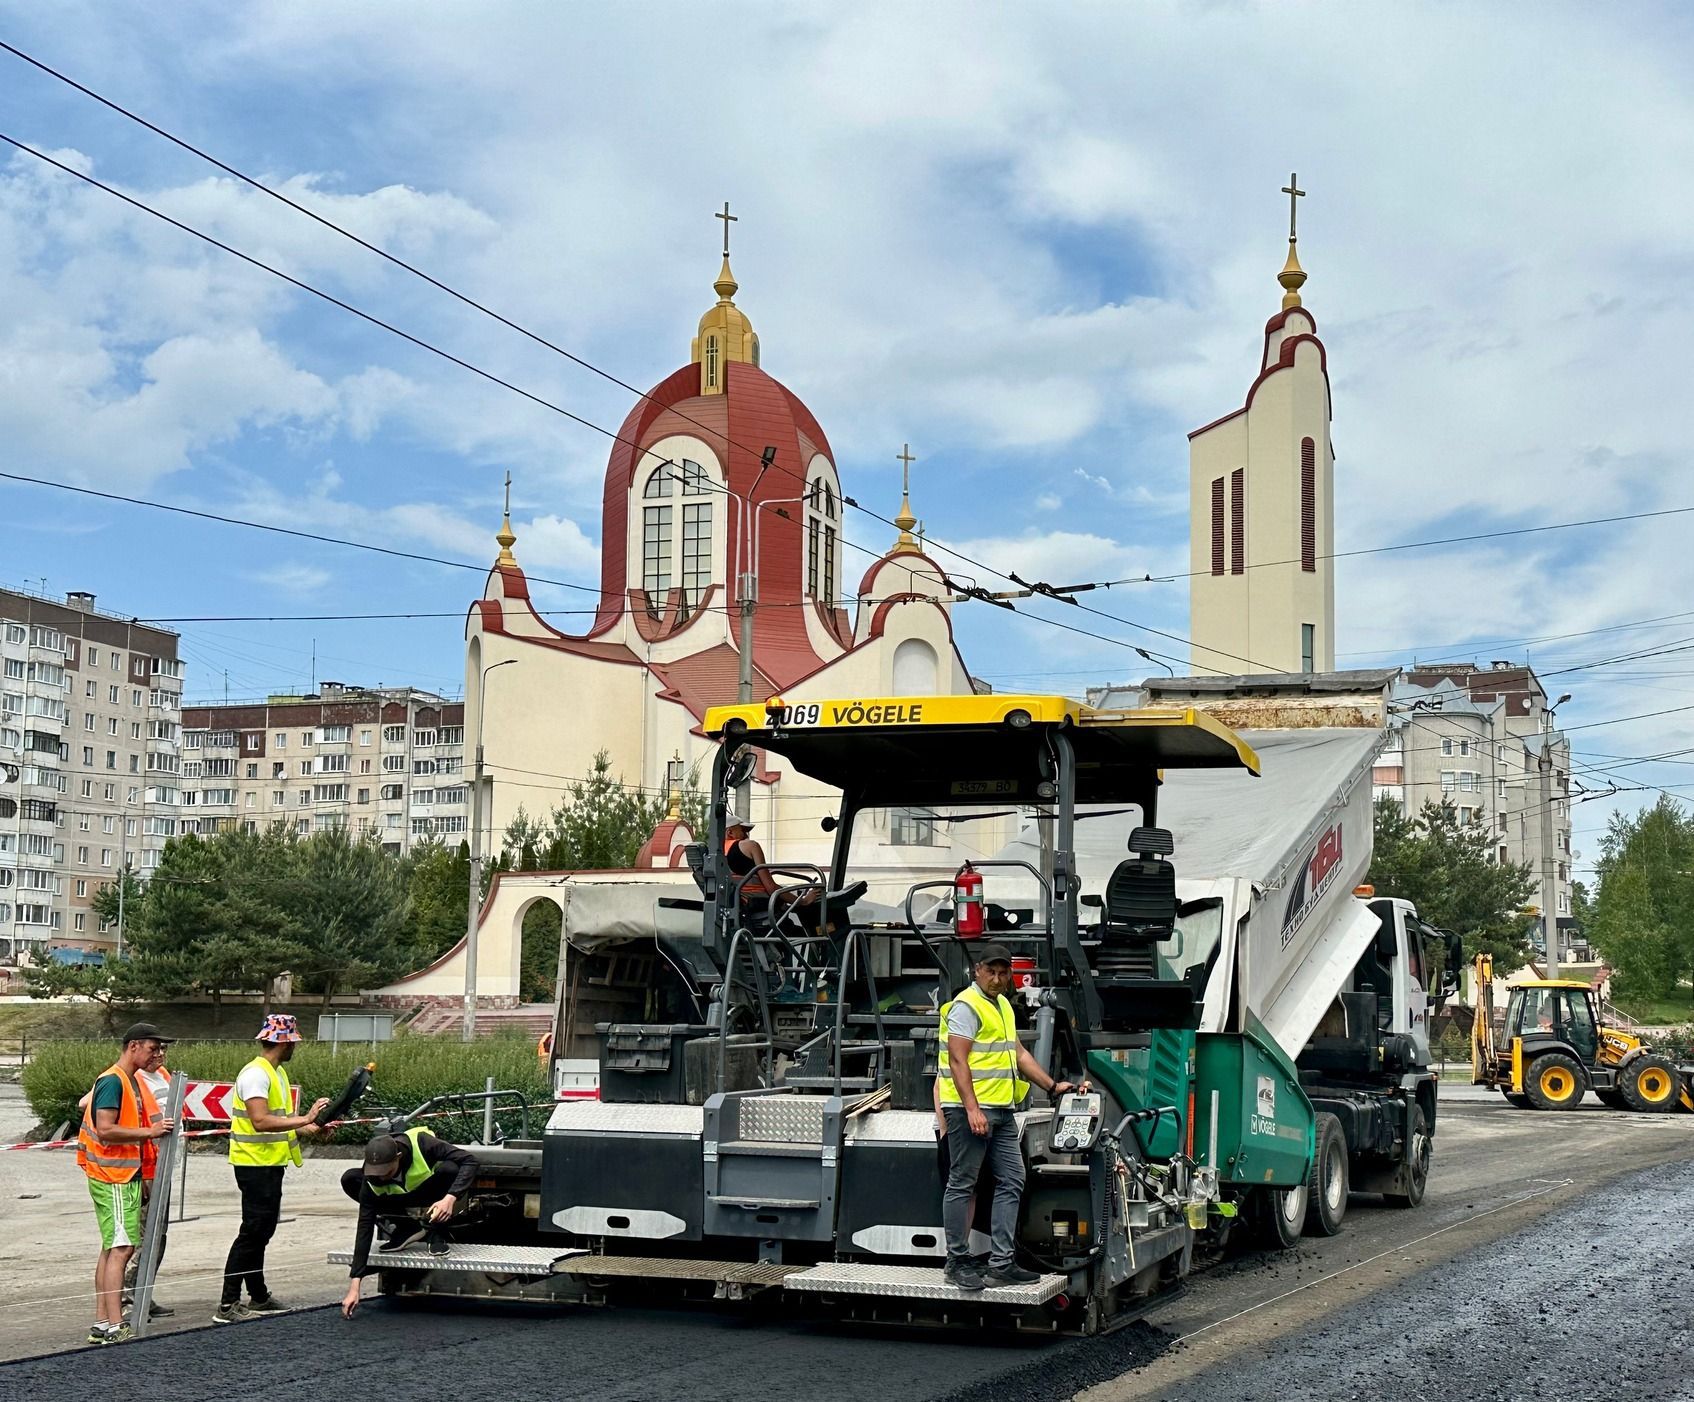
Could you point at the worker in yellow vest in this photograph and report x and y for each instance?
(110, 1149)
(263, 1140)
(984, 1073)
(413, 1183)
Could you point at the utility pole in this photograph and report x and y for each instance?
(1549, 886)
(748, 584)
(474, 900)
(123, 871)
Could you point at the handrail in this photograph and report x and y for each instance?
(855, 938)
(769, 1048)
(460, 1099)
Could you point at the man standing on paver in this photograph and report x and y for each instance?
(263, 1141)
(109, 1152)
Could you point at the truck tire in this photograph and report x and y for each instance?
(1650, 1084)
(1419, 1148)
(1555, 1081)
(1520, 1101)
(1326, 1185)
(1281, 1213)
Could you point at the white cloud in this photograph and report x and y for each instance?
(294, 578)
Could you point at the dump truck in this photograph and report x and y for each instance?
(772, 1136)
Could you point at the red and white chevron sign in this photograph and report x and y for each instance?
(209, 1101)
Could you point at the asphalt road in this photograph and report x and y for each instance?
(1570, 1232)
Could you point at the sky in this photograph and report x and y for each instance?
(1038, 243)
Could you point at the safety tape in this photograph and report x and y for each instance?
(212, 1133)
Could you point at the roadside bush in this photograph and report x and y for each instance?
(408, 1072)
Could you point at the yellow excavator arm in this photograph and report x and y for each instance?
(1484, 1063)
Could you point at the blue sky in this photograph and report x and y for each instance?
(1037, 244)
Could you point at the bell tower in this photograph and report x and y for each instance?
(1262, 505)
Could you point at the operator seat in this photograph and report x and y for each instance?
(1141, 904)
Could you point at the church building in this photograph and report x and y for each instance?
(721, 486)
(1262, 507)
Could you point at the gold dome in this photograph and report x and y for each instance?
(725, 334)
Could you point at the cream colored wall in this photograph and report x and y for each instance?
(1252, 621)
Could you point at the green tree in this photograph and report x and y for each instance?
(1445, 868)
(437, 879)
(115, 986)
(1642, 914)
(349, 911)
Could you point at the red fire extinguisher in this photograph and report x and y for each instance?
(967, 903)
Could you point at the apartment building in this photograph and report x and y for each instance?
(388, 760)
(90, 714)
(1475, 737)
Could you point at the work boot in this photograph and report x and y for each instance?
(962, 1275)
(1012, 1274)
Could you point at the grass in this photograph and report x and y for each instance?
(1660, 1012)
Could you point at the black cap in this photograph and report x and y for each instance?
(381, 1155)
(992, 954)
(146, 1032)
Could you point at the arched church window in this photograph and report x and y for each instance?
(670, 539)
(711, 361)
(821, 536)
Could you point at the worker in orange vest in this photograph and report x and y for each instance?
(115, 1131)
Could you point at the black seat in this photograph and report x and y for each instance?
(1140, 905)
(695, 855)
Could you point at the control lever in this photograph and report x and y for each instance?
(1077, 1122)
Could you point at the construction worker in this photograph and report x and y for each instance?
(109, 1151)
(985, 1073)
(412, 1182)
(263, 1141)
(745, 857)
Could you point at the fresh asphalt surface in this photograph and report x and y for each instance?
(1554, 1259)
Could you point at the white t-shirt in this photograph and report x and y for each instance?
(157, 1082)
(253, 1081)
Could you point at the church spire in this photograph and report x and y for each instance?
(1293, 276)
(906, 544)
(505, 539)
(725, 334)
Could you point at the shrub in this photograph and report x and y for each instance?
(409, 1072)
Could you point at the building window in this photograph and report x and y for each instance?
(1308, 505)
(1449, 781)
(394, 764)
(394, 735)
(365, 739)
(696, 554)
(656, 556)
(281, 738)
(711, 362)
(1217, 525)
(1238, 521)
(1308, 646)
(659, 547)
(1464, 747)
(911, 827)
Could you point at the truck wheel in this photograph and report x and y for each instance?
(1649, 1084)
(1415, 1167)
(1326, 1185)
(1281, 1213)
(1554, 1081)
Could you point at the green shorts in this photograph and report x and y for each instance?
(117, 1208)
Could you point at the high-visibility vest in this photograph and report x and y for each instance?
(111, 1163)
(151, 1114)
(417, 1171)
(274, 1148)
(994, 1054)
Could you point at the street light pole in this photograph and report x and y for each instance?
(474, 900)
(1549, 887)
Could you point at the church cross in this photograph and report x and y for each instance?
(508, 494)
(905, 458)
(1291, 189)
(728, 219)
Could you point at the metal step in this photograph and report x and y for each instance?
(471, 1256)
(773, 1204)
(916, 1283)
(828, 1082)
(744, 1274)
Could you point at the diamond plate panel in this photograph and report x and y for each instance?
(916, 1283)
(893, 1127)
(785, 1119)
(594, 1117)
(470, 1256)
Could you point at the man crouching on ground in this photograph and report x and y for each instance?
(405, 1178)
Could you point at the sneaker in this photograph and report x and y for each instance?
(409, 1235)
(231, 1314)
(437, 1243)
(1013, 1274)
(99, 1332)
(117, 1334)
(962, 1275)
(157, 1311)
(271, 1305)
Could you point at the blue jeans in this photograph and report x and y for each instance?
(1005, 1154)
